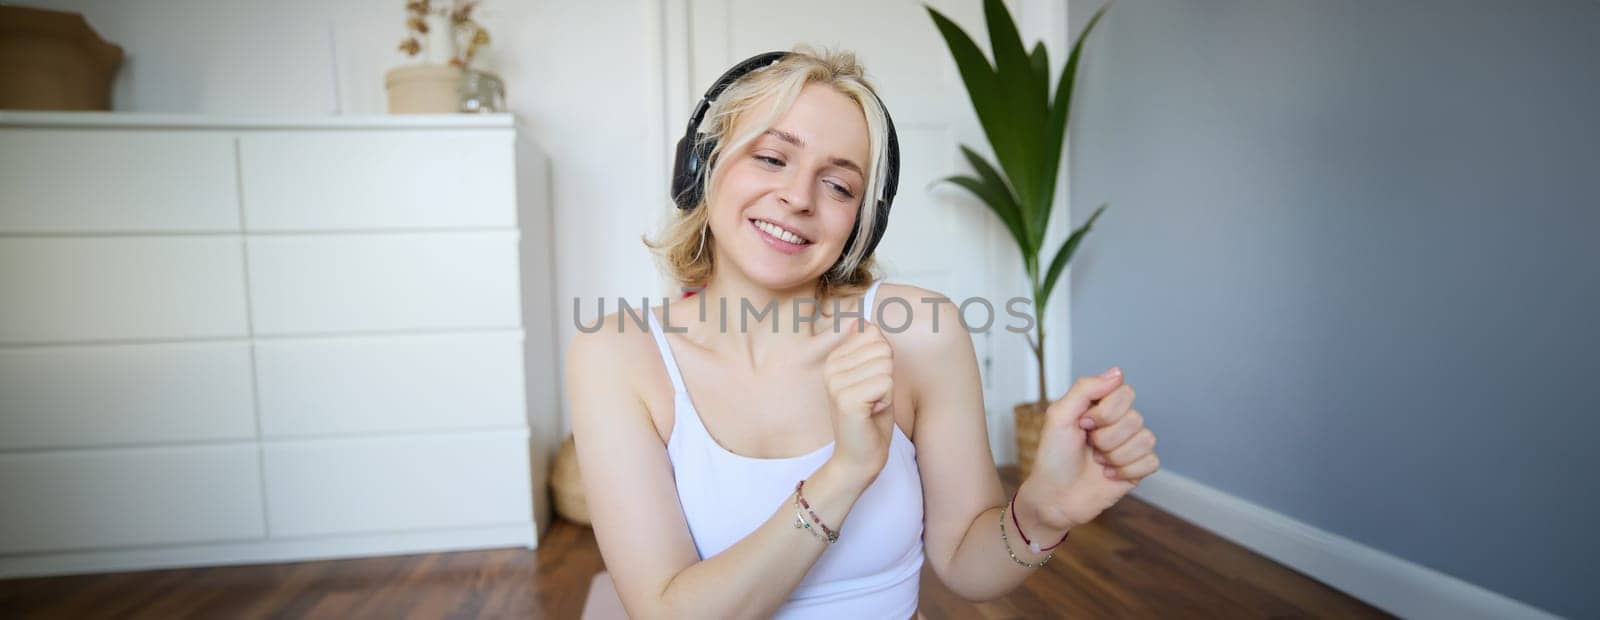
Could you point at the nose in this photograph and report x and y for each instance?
(798, 192)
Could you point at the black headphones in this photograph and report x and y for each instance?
(691, 157)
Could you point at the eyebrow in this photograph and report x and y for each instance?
(795, 140)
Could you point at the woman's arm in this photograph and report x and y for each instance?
(962, 494)
(637, 519)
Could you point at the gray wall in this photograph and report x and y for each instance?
(1350, 264)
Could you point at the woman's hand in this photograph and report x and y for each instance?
(859, 374)
(1079, 472)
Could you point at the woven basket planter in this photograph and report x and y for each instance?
(53, 60)
(566, 485)
(1030, 422)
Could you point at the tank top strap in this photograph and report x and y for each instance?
(666, 353)
(867, 303)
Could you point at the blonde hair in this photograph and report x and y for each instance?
(683, 246)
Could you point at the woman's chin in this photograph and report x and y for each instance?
(780, 279)
(779, 273)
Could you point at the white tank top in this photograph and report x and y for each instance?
(874, 571)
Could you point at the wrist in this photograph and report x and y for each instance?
(1037, 513)
(854, 479)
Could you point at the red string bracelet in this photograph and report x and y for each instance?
(1032, 546)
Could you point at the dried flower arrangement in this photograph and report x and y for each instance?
(463, 29)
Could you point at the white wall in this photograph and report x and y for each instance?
(581, 77)
(1350, 257)
(589, 82)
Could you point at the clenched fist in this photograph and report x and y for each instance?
(859, 375)
(1093, 450)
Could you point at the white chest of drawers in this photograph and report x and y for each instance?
(244, 340)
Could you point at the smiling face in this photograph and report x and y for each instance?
(783, 206)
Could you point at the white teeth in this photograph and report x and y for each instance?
(780, 233)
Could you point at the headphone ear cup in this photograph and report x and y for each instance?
(687, 190)
(684, 167)
(692, 156)
(891, 183)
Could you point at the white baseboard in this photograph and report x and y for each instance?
(262, 551)
(1396, 585)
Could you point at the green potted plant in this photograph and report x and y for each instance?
(1026, 128)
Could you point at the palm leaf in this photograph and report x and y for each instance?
(1026, 129)
(1055, 132)
(1040, 59)
(983, 86)
(1026, 112)
(992, 102)
(1026, 238)
(1063, 256)
(1000, 201)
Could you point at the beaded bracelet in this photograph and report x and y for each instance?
(1004, 539)
(833, 536)
(800, 523)
(1008, 545)
(1032, 546)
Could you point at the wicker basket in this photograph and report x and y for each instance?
(1030, 422)
(566, 486)
(52, 60)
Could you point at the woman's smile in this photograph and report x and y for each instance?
(779, 238)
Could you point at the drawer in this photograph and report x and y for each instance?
(64, 289)
(122, 394)
(62, 180)
(390, 383)
(147, 496)
(385, 484)
(311, 284)
(301, 180)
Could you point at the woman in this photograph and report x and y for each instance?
(751, 452)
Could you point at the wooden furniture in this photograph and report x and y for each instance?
(243, 340)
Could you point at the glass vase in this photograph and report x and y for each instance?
(481, 92)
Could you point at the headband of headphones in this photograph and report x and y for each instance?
(692, 155)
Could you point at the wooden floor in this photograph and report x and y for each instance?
(1135, 561)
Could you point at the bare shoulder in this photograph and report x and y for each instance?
(615, 351)
(920, 321)
(597, 343)
(931, 346)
